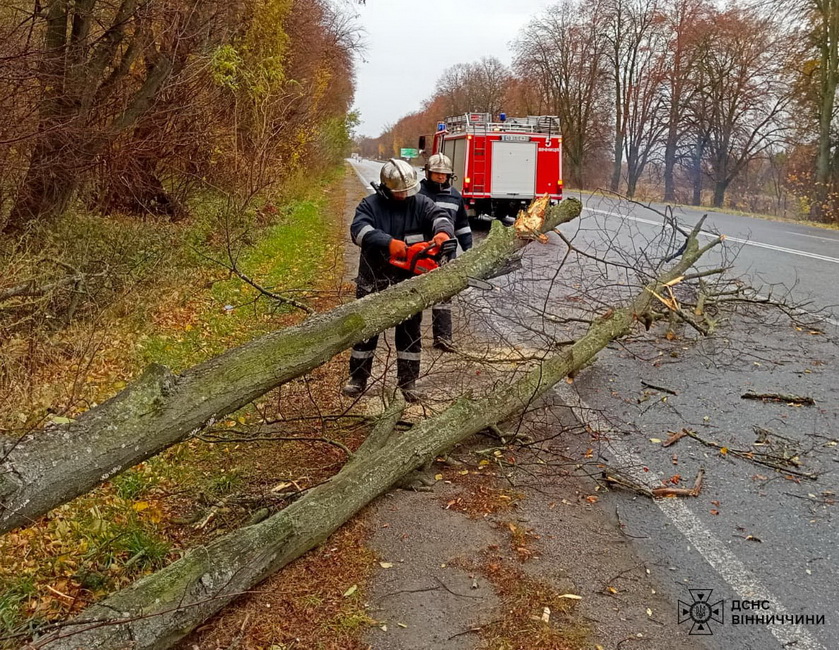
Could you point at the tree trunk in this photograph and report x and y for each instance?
(615, 183)
(162, 608)
(696, 172)
(719, 193)
(134, 187)
(829, 76)
(49, 467)
(633, 170)
(48, 187)
(670, 162)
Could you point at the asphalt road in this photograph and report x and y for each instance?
(753, 534)
(711, 542)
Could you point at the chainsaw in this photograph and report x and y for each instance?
(424, 256)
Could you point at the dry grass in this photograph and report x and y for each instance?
(197, 491)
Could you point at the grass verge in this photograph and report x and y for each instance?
(180, 310)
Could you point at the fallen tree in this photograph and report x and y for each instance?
(49, 467)
(162, 608)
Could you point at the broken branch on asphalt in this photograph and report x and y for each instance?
(779, 463)
(616, 478)
(780, 397)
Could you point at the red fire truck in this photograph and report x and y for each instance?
(501, 165)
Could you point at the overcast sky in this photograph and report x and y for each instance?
(401, 67)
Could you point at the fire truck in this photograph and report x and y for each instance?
(499, 166)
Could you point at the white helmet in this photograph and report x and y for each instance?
(399, 176)
(439, 163)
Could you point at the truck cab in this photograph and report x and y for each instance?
(501, 165)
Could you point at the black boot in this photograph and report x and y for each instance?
(354, 387)
(361, 363)
(407, 372)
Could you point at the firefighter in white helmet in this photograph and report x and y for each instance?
(437, 186)
(385, 224)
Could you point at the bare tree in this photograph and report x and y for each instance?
(627, 25)
(645, 101)
(745, 106)
(560, 52)
(683, 18)
(478, 86)
(100, 69)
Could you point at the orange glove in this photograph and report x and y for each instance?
(440, 237)
(397, 248)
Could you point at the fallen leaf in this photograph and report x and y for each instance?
(571, 596)
(649, 612)
(349, 592)
(386, 565)
(715, 512)
(752, 538)
(656, 441)
(281, 486)
(401, 625)
(438, 477)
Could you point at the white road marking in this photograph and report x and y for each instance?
(363, 180)
(737, 240)
(744, 583)
(801, 234)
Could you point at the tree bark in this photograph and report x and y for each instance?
(720, 188)
(49, 467)
(696, 171)
(828, 40)
(162, 608)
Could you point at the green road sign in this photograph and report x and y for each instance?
(408, 153)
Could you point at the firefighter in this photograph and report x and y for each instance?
(385, 224)
(437, 186)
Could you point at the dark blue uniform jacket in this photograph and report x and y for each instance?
(378, 220)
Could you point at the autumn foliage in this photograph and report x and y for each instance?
(135, 106)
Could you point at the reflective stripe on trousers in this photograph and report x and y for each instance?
(408, 350)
